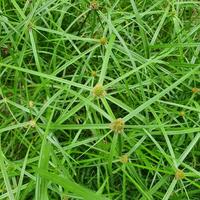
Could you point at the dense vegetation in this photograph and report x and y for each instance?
(99, 100)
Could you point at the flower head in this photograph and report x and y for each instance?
(98, 90)
(195, 90)
(32, 123)
(103, 41)
(117, 125)
(94, 73)
(31, 104)
(181, 113)
(124, 158)
(179, 175)
(94, 5)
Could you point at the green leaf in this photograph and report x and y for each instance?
(70, 185)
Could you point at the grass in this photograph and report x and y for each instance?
(99, 100)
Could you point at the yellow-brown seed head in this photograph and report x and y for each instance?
(195, 90)
(94, 5)
(32, 123)
(103, 41)
(181, 113)
(179, 175)
(124, 159)
(31, 104)
(94, 73)
(117, 125)
(98, 90)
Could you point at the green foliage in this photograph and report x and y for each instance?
(99, 99)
